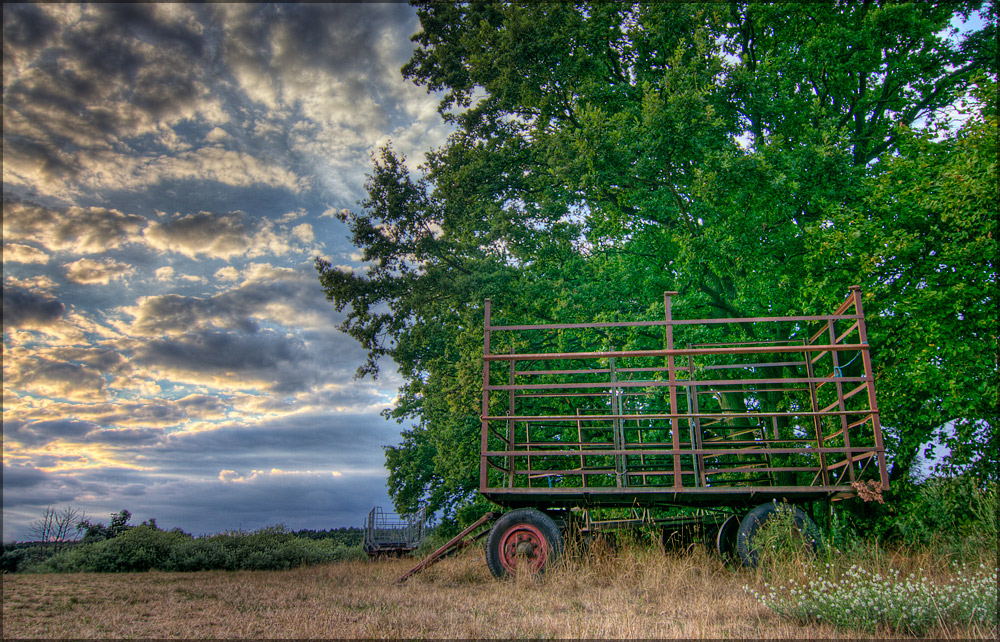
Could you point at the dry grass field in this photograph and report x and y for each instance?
(634, 594)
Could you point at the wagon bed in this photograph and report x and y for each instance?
(680, 412)
(389, 534)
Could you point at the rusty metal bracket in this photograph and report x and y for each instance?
(453, 544)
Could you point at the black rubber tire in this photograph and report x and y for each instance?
(756, 518)
(725, 537)
(536, 527)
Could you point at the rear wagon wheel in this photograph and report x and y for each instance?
(725, 537)
(759, 516)
(523, 539)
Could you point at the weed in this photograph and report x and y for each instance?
(862, 599)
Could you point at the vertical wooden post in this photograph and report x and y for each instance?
(483, 480)
(672, 380)
(870, 382)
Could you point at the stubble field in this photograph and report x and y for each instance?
(635, 594)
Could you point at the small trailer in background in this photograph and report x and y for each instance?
(717, 423)
(389, 534)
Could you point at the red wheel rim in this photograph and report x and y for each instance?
(524, 545)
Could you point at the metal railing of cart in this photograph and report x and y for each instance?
(678, 412)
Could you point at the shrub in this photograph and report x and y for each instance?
(139, 548)
(20, 556)
(145, 547)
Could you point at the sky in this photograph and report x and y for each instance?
(170, 173)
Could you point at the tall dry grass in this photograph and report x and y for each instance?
(595, 592)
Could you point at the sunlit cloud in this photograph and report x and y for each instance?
(228, 273)
(103, 271)
(79, 230)
(38, 375)
(39, 284)
(233, 477)
(222, 236)
(18, 253)
(210, 163)
(170, 171)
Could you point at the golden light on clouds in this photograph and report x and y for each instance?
(66, 456)
(161, 214)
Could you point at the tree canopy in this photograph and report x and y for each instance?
(754, 157)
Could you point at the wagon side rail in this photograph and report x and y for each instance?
(628, 422)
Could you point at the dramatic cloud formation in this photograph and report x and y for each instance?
(170, 172)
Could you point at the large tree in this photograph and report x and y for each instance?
(606, 152)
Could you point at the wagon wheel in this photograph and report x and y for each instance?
(524, 538)
(725, 537)
(805, 528)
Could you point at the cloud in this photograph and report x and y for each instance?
(53, 378)
(216, 349)
(40, 284)
(233, 477)
(121, 97)
(228, 273)
(18, 253)
(79, 230)
(165, 273)
(227, 360)
(43, 432)
(212, 163)
(97, 75)
(225, 235)
(24, 484)
(25, 309)
(102, 271)
(299, 501)
(240, 475)
(22, 476)
(286, 296)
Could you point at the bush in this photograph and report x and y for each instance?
(955, 515)
(140, 548)
(19, 556)
(144, 548)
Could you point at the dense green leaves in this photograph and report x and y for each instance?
(755, 157)
(925, 242)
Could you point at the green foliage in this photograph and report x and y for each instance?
(756, 157)
(954, 516)
(346, 535)
(950, 511)
(146, 547)
(923, 246)
(780, 542)
(97, 531)
(20, 556)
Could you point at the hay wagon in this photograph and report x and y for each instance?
(389, 534)
(713, 422)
